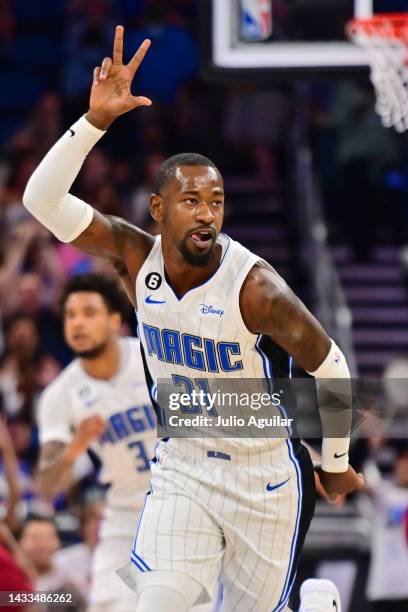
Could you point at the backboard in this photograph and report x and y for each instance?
(302, 36)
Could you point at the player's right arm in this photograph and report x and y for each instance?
(47, 194)
(57, 459)
(60, 446)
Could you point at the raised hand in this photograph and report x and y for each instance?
(111, 94)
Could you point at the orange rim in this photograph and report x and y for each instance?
(375, 25)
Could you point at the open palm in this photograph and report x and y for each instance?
(111, 94)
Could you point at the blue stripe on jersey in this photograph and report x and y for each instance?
(269, 376)
(135, 562)
(264, 363)
(286, 588)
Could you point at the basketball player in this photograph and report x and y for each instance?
(237, 509)
(100, 402)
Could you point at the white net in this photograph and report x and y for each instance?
(386, 41)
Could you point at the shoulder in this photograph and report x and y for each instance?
(262, 277)
(61, 385)
(131, 348)
(129, 343)
(132, 342)
(262, 288)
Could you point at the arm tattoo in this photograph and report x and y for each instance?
(50, 452)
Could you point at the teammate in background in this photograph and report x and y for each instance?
(100, 401)
(233, 508)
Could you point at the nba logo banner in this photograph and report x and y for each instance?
(256, 20)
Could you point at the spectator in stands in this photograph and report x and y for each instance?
(173, 57)
(9, 475)
(139, 212)
(7, 25)
(13, 251)
(364, 151)
(87, 40)
(18, 366)
(37, 297)
(256, 122)
(39, 541)
(17, 174)
(16, 573)
(97, 172)
(76, 559)
(42, 128)
(387, 581)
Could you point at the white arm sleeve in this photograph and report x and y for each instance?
(46, 195)
(53, 419)
(335, 406)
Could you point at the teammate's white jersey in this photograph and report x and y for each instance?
(202, 336)
(126, 447)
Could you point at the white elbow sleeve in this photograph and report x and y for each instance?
(66, 219)
(335, 405)
(46, 195)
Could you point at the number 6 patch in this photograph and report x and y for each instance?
(153, 280)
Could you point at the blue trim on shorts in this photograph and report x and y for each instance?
(140, 518)
(286, 587)
(139, 559)
(135, 562)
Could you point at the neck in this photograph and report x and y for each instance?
(106, 365)
(181, 275)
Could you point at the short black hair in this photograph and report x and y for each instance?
(33, 517)
(168, 168)
(108, 288)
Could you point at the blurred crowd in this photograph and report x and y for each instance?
(47, 59)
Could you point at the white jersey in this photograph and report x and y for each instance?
(218, 507)
(127, 446)
(389, 556)
(202, 336)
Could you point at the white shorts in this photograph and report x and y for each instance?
(108, 591)
(222, 518)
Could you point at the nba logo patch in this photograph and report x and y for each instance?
(337, 358)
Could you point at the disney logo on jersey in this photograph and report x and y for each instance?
(210, 310)
(153, 281)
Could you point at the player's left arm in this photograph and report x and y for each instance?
(270, 307)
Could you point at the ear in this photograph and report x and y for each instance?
(157, 207)
(116, 320)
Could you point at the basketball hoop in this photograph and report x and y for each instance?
(385, 37)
